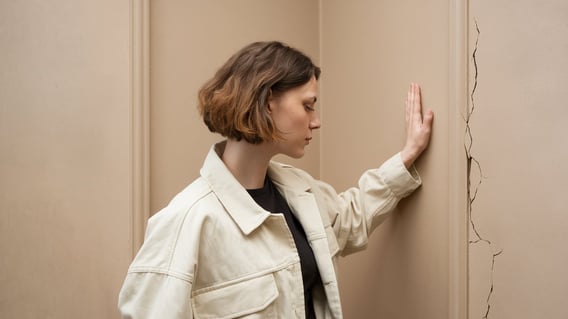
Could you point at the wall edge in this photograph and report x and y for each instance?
(457, 203)
(140, 123)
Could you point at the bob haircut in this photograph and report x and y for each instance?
(234, 103)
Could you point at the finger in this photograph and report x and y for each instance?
(410, 102)
(417, 103)
(407, 102)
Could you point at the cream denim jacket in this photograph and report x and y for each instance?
(214, 253)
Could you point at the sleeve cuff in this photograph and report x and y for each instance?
(402, 181)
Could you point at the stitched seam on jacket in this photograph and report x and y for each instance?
(246, 277)
(180, 227)
(160, 271)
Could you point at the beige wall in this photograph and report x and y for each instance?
(73, 191)
(190, 41)
(65, 157)
(366, 71)
(519, 138)
(371, 51)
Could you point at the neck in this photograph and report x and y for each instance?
(247, 162)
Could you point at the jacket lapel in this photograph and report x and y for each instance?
(297, 193)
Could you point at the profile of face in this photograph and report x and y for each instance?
(293, 114)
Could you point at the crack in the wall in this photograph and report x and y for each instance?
(473, 163)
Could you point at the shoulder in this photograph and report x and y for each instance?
(179, 207)
(173, 233)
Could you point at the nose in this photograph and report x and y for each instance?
(315, 122)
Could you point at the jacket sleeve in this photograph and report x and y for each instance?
(148, 294)
(160, 279)
(355, 213)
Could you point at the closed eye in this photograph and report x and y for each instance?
(309, 104)
(309, 107)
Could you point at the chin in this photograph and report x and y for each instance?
(293, 151)
(298, 154)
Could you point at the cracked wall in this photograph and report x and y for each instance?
(516, 154)
(474, 181)
(369, 51)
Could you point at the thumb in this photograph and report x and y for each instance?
(428, 118)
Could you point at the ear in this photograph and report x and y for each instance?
(271, 102)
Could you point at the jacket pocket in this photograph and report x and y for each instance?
(251, 298)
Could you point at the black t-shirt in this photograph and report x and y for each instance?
(271, 200)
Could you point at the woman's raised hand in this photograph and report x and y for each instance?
(418, 127)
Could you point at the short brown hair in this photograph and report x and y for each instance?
(234, 102)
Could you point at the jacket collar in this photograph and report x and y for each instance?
(246, 213)
(282, 175)
(232, 195)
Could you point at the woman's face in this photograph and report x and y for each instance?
(293, 113)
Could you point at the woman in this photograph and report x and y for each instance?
(252, 237)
